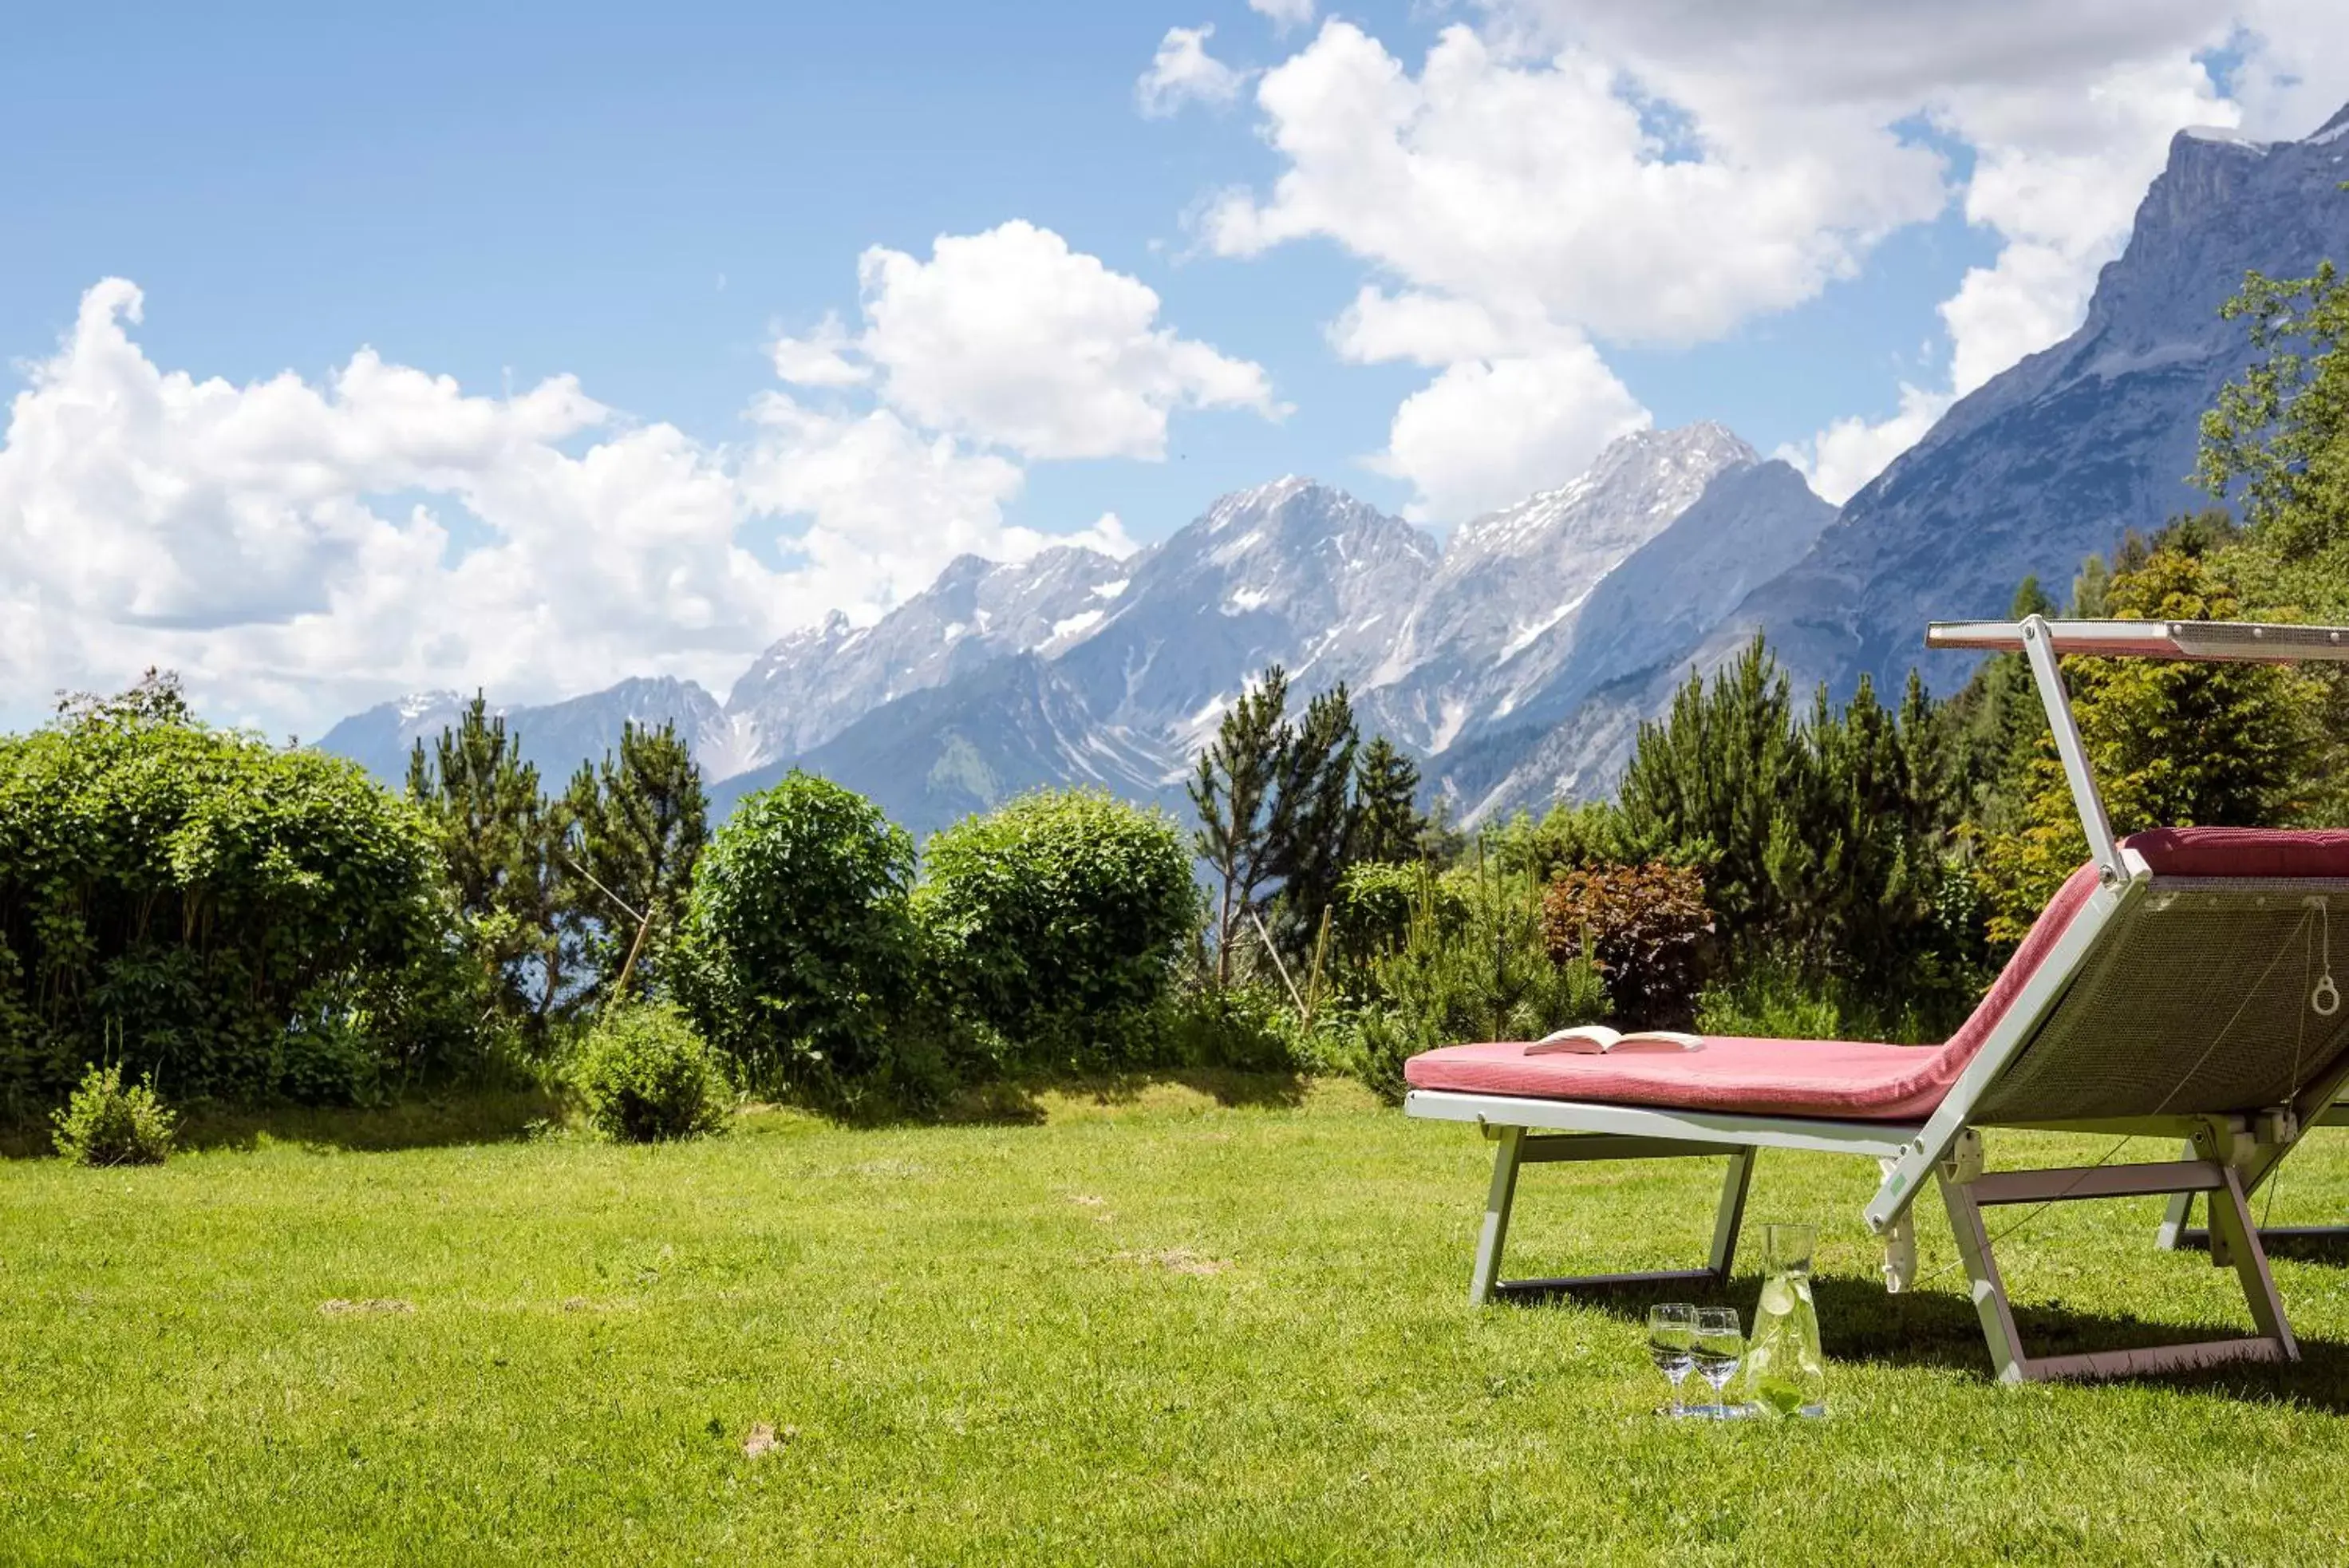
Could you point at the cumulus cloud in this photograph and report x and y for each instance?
(1284, 14)
(299, 549)
(819, 358)
(1011, 338)
(1182, 72)
(1487, 432)
(1578, 171)
(1539, 191)
(1852, 450)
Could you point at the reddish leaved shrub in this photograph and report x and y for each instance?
(1646, 930)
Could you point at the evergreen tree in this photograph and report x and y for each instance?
(638, 825)
(1388, 823)
(1707, 784)
(1317, 818)
(1237, 793)
(500, 842)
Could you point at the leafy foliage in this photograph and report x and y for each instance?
(1243, 818)
(1829, 838)
(1057, 919)
(1242, 1028)
(1378, 901)
(1569, 836)
(799, 959)
(108, 1122)
(644, 1076)
(1709, 783)
(2283, 430)
(1642, 928)
(1319, 814)
(234, 920)
(2172, 744)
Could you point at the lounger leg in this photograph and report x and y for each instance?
(1498, 1199)
(1899, 1245)
(2230, 1222)
(1731, 1214)
(1957, 1178)
(2175, 1220)
(1968, 1191)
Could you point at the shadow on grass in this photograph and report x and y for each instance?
(425, 1122)
(1015, 1102)
(1936, 1327)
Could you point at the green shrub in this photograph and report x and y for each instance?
(1491, 977)
(1645, 927)
(799, 958)
(1772, 996)
(1244, 1028)
(181, 899)
(1375, 902)
(644, 1076)
(107, 1122)
(1057, 919)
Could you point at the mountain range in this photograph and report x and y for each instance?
(1517, 658)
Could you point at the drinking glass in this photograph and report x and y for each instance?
(1672, 1345)
(1719, 1347)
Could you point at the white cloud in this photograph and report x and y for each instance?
(1284, 14)
(1536, 189)
(1011, 338)
(820, 359)
(1851, 451)
(300, 549)
(1528, 202)
(1663, 170)
(1182, 72)
(1488, 433)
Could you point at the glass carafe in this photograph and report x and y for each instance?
(1784, 1375)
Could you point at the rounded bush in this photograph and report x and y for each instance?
(799, 958)
(1058, 917)
(645, 1076)
(108, 1122)
(181, 899)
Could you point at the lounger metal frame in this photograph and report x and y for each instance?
(2224, 1156)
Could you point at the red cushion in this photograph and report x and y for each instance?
(1851, 1079)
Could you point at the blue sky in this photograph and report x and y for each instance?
(571, 189)
(647, 201)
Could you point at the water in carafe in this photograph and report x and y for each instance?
(1784, 1375)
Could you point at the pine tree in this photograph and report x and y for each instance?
(1707, 784)
(1388, 823)
(1237, 793)
(500, 840)
(639, 822)
(1314, 843)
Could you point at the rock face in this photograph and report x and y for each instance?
(1496, 627)
(2057, 457)
(814, 684)
(1073, 668)
(1292, 572)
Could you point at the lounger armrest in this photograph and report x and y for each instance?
(2218, 641)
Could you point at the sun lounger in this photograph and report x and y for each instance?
(2177, 985)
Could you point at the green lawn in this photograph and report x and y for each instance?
(1162, 1329)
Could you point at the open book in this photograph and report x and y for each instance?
(1598, 1039)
